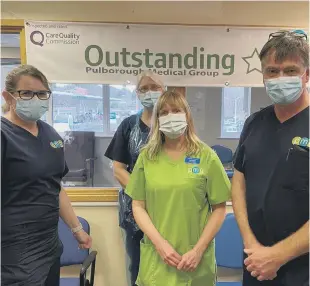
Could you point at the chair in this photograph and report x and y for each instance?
(226, 156)
(80, 157)
(73, 256)
(229, 247)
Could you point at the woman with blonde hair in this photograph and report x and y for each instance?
(179, 190)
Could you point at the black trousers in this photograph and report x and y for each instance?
(53, 276)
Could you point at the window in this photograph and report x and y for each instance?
(91, 107)
(236, 105)
(10, 57)
(123, 103)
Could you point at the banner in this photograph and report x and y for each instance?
(117, 53)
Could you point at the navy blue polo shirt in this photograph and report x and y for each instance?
(274, 158)
(264, 143)
(32, 168)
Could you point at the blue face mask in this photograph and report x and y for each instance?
(31, 110)
(149, 98)
(284, 90)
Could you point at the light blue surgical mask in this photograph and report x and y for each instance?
(148, 99)
(31, 110)
(284, 90)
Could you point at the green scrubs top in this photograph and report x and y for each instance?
(178, 195)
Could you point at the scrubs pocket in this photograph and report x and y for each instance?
(296, 170)
(147, 264)
(205, 273)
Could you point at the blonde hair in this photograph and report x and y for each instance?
(156, 138)
(153, 76)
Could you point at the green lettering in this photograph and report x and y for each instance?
(228, 62)
(108, 60)
(209, 61)
(161, 62)
(136, 59)
(147, 55)
(193, 58)
(87, 55)
(124, 54)
(171, 59)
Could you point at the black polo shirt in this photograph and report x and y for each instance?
(263, 148)
(119, 149)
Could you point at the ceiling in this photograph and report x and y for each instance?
(237, 13)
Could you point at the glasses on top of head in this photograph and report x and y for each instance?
(29, 94)
(297, 33)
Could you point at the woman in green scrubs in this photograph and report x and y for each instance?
(179, 190)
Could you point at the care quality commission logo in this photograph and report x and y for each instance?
(40, 38)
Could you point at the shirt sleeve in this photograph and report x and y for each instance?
(118, 148)
(3, 151)
(136, 186)
(66, 170)
(218, 184)
(238, 158)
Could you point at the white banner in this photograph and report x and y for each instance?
(116, 53)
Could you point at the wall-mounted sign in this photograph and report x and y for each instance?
(117, 53)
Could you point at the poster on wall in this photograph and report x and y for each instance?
(117, 53)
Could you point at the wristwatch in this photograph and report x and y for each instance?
(76, 229)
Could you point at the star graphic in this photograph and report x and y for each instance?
(253, 62)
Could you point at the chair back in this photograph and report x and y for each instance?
(225, 154)
(71, 255)
(229, 244)
(79, 149)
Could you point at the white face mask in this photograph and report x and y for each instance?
(30, 110)
(173, 125)
(284, 90)
(149, 98)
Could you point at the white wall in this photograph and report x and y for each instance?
(247, 13)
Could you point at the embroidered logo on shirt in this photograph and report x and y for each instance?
(57, 144)
(195, 170)
(301, 141)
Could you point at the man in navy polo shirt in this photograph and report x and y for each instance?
(270, 187)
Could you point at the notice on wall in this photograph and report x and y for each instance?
(117, 53)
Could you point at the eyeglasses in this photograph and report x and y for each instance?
(29, 94)
(152, 87)
(297, 33)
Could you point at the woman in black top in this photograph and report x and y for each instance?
(32, 167)
(124, 150)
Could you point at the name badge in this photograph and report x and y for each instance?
(189, 160)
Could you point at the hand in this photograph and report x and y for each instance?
(84, 240)
(190, 260)
(262, 262)
(168, 254)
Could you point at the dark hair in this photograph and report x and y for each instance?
(13, 77)
(287, 44)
